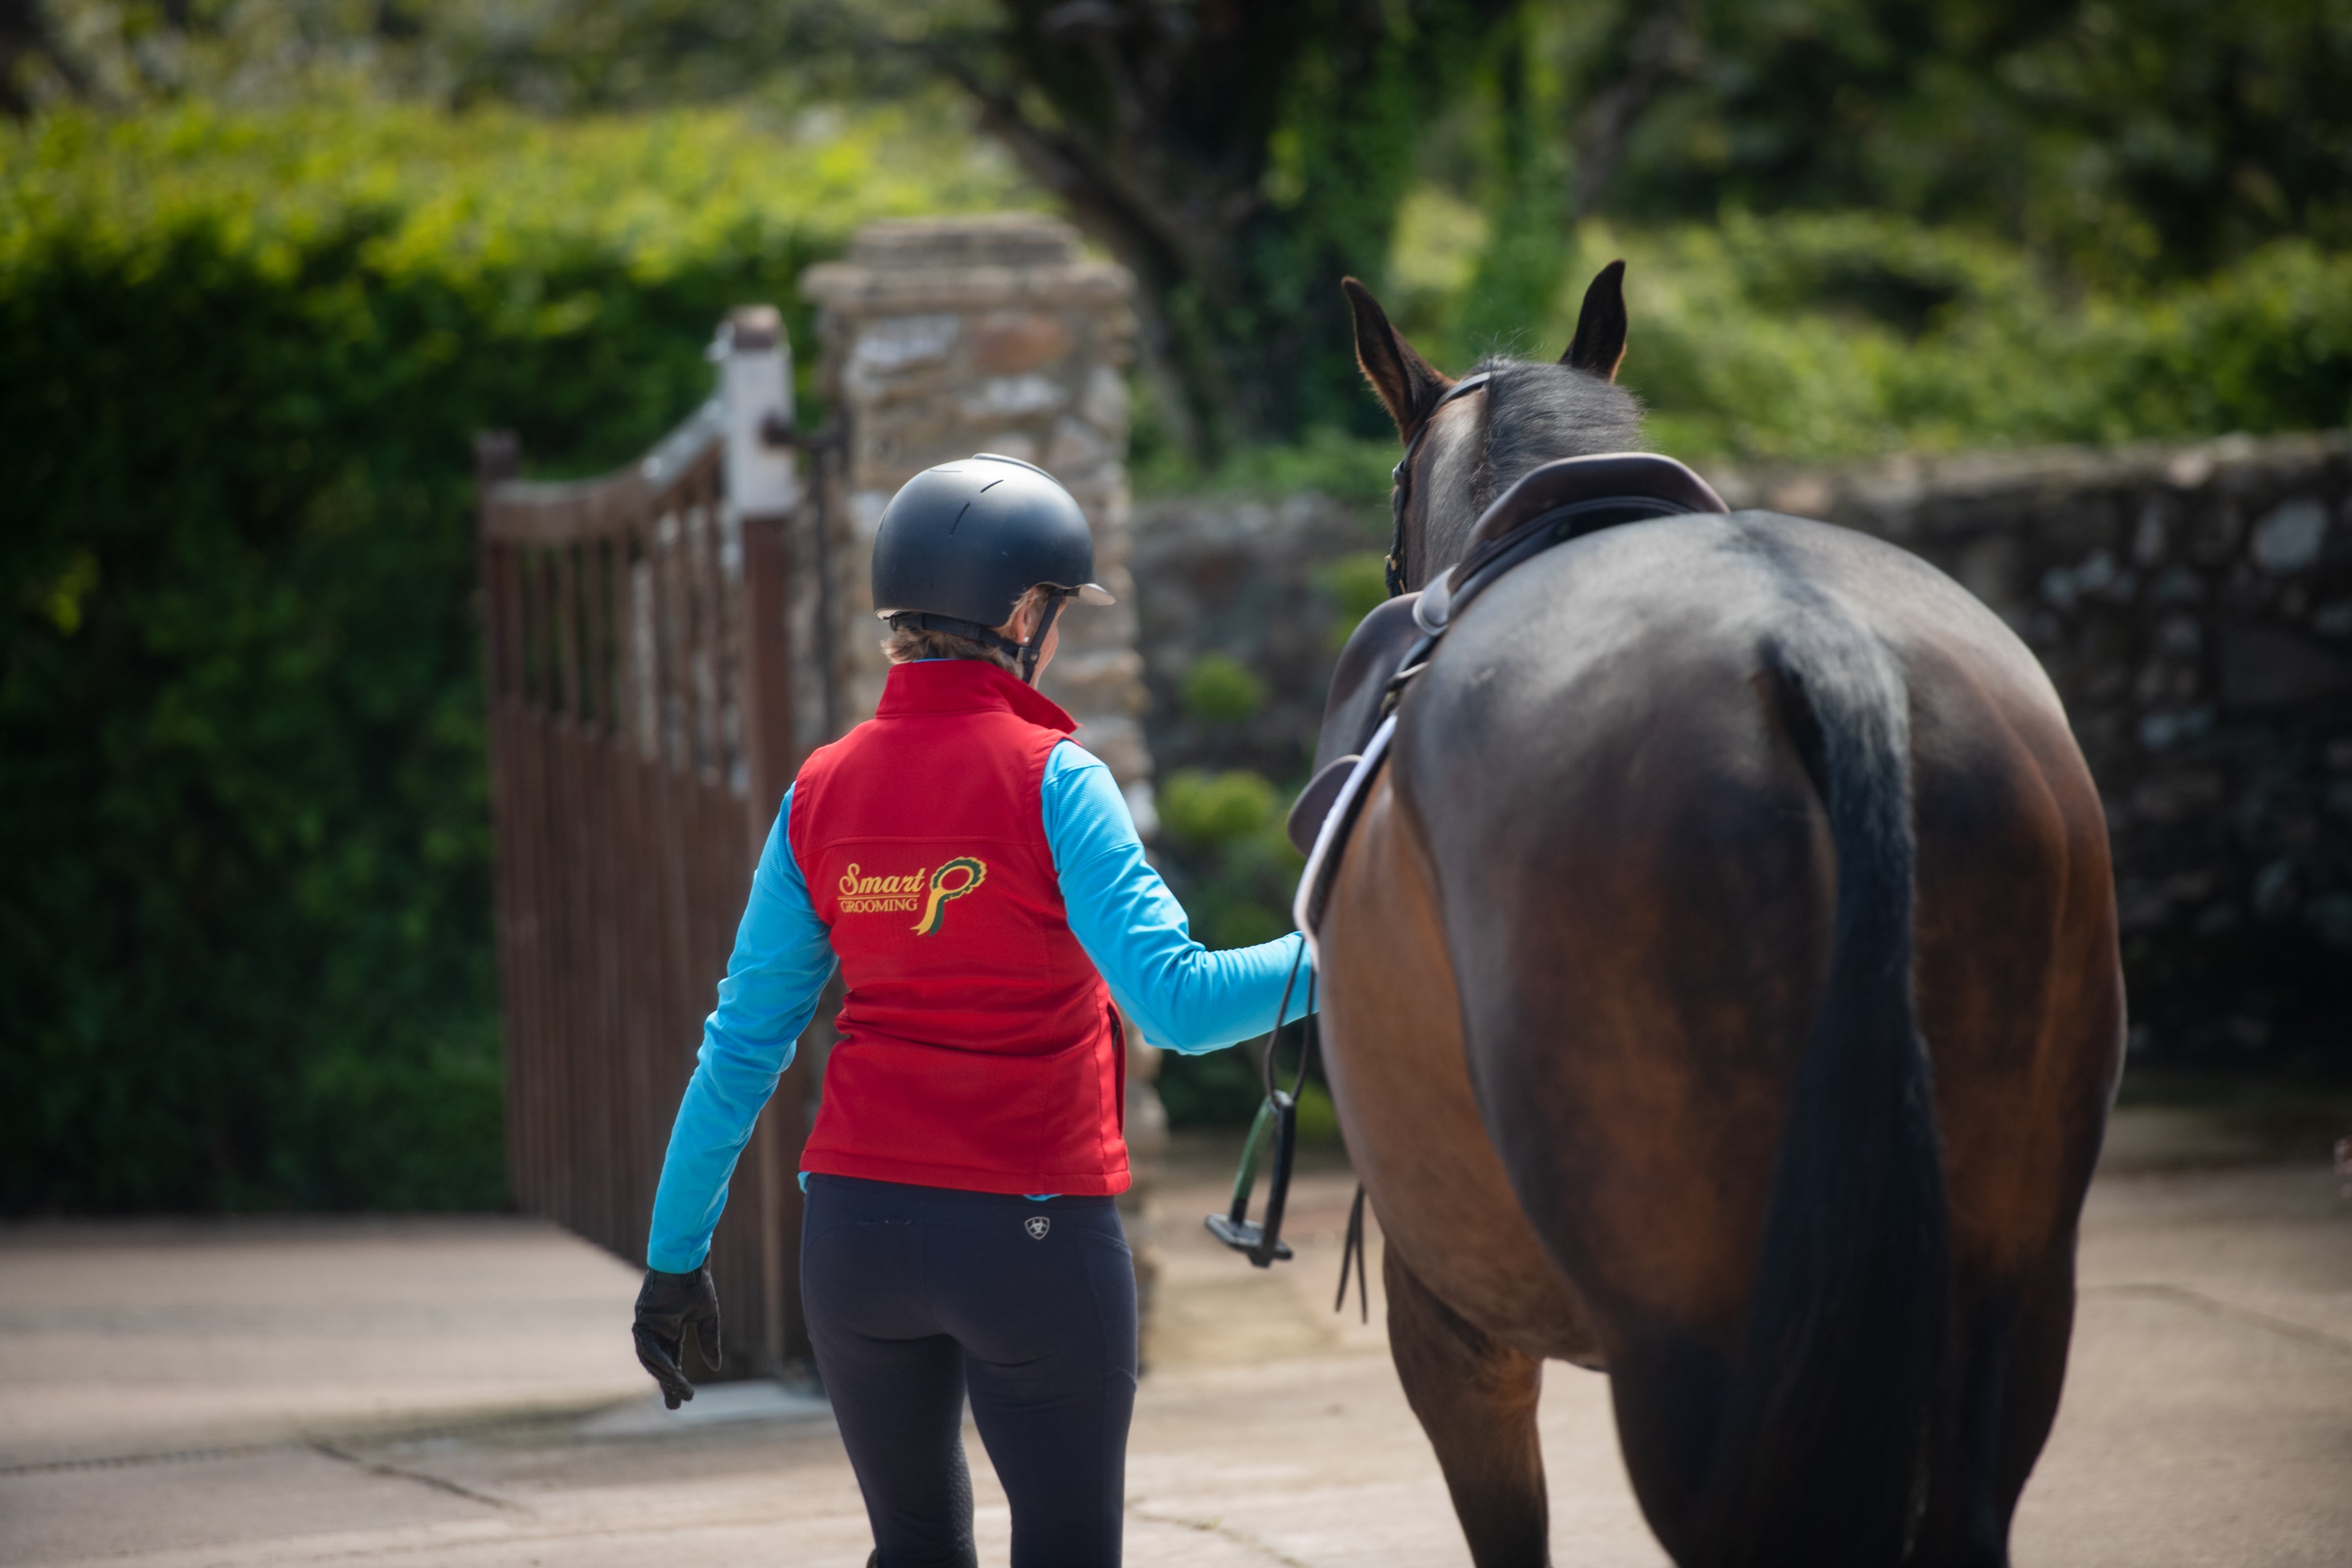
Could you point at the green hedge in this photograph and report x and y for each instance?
(1812, 337)
(244, 956)
(1818, 338)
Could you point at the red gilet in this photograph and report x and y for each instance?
(978, 1047)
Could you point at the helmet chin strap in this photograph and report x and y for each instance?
(1027, 653)
(1037, 644)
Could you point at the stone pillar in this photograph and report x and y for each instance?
(944, 337)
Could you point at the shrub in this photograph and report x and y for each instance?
(1359, 585)
(1344, 466)
(1809, 336)
(1229, 855)
(1805, 339)
(1222, 689)
(1208, 811)
(245, 937)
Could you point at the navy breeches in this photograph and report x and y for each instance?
(917, 1295)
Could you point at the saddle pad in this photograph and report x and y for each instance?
(1314, 802)
(1307, 906)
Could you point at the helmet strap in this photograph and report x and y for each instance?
(1026, 654)
(1036, 645)
(971, 631)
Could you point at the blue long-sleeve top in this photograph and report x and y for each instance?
(1181, 996)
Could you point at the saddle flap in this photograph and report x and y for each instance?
(1351, 710)
(1314, 802)
(1608, 476)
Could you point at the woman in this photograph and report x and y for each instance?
(979, 880)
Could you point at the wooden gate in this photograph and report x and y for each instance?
(641, 734)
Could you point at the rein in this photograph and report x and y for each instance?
(1277, 1115)
(1277, 1122)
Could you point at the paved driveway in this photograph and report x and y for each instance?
(461, 1393)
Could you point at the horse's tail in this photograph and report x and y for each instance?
(1821, 1456)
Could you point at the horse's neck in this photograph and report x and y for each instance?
(1446, 529)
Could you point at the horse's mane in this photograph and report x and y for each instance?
(1534, 413)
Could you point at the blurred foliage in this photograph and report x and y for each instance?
(1815, 337)
(1358, 584)
(1224, 1089)
(1222, 689)
(1340, 464)
(1207, 810)
(552, 55)
(1226, 855)
(2116, 141)
(244, 945)
(265, 265)
(1215, 1089)
(1805, 337)
(1240, 158)
(1318, 1119)
(1238, 866)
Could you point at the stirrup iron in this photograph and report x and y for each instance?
(1277, 1117)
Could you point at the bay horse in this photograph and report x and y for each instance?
(1721, 989)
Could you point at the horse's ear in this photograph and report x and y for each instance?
(1599, 345)
(1403, 379)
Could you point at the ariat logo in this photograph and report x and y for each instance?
(932, 894)
(1036, 1224)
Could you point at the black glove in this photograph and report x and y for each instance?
(666, 1303)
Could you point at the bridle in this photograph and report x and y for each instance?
(1401, 477)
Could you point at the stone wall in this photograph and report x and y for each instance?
(2193, 606)
(2192, 603)
(1251, 579)
(944, 337)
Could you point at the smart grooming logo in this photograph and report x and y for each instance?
(945, 889)
(864, 895)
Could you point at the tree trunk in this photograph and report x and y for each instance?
(1240, 158)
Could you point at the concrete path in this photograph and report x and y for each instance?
(462, 1393)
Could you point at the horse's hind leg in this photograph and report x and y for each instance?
(2010, 1359)
(1476, 1397)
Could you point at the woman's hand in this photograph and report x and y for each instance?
(666, 1304)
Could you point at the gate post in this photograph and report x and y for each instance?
(764, 497)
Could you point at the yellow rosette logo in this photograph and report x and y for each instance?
(945, 889)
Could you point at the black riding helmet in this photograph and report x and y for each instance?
(961, 543)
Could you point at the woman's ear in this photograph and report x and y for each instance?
(1599, 345)
(1022, 626)
(1407, 386)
